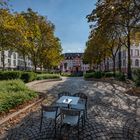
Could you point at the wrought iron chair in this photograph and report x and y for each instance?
(51, 113)
(82, 104)
(70, 118)
(64, 93)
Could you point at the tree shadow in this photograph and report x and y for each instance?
(107, 118)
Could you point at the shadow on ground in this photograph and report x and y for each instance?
(112, 115)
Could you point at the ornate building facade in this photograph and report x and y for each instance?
(73, 63)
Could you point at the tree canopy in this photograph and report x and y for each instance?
(32, 36)
(115, 22)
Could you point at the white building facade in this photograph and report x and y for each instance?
(135, 59)
(14, 61)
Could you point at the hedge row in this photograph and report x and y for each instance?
(98, 75)
(14, 93)
(47, 76)
(25, 76)
(137, 77)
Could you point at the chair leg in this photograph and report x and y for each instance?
(61, 128)
(55, 127)
(41, 124)
(78, 132)
(86, 114)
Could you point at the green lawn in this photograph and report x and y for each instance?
(14, 93)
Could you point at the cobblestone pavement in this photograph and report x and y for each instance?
(112, 114)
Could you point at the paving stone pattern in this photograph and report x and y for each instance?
(112, 114)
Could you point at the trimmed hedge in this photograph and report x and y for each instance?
(14, 93)
(47, 76)
(96, 75)
(11, 75)
(28, 76)
(90, 71)
(89, 75)
(137, 77)
(120, 76)
(41, 72)
(109, 74)
(74, 74)
(7, 75)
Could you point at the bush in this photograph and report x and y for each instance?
(14, 93)
(90, 71)
(28, 76)
(89, 75)
(41, 72)
(137, 77)
(109, 74)
(7, 75)
(47, 76)
(120, 76)
(96, 75)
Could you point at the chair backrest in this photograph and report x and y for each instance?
(49, 108)
(64, 93)
(81, 95)
(70, 112)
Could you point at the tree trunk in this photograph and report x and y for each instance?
(114, 66)
(108, 68)
(104, 65)
(3, 60)
(129, 71)
(120, 62)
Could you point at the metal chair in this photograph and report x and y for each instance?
(51, 113)
(63, 93)
(82, 103)
(70, 118)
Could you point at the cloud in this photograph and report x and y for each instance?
(73, 47)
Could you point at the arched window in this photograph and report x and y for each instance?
(137, 62)
(124, 62)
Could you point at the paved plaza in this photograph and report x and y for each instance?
(112, 114)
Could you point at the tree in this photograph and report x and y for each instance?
(34, 36)
(50, 46)
(95, 52)
(125, 15)
(43, 45)
(7, 28)
(21, 40)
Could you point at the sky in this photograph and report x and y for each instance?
(68, 16)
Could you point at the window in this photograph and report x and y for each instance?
(14, 55)
(9, 62)
(9, 54)
(137, 52)
(137, 62)
(124, 62)
(124, 53)
(131, 52)
(14, 62)
(131, 61)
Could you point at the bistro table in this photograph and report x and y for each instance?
(67, 100)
